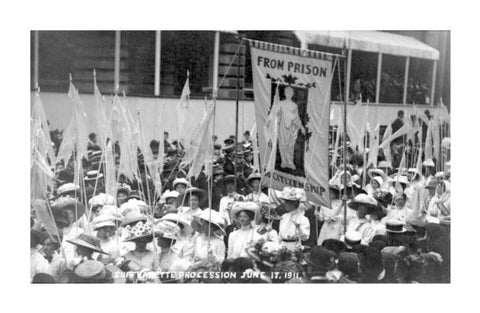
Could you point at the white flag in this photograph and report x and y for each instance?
(182, 107)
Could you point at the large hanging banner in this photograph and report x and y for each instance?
(301, 113)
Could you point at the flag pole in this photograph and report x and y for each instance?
(236, 115)
(345, 99)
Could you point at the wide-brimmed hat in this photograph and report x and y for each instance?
(93, 175)
(170, 194)
(177, 219)
(428, 163)
(363, 199)
(167, 229)
(183, 197)
(253, 176)
(181, 181)
(61, 205)
(112, 210)
(91, 269)
(68, 188)
(139, 231)
(101, 199)
(133, 217)
(103, 220)
(89, 242)
(383, 164)
(402, 179)
(383, 197)
(290, 194)
(395, 226)
(378, 172)
(334, 245)
(244, 206)
(321, 257)
(211, 216)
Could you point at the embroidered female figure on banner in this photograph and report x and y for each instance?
(290, 124)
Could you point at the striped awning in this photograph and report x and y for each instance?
(370, 41)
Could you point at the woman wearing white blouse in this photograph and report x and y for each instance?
(244, 237)
(208, 242)
(294, 226)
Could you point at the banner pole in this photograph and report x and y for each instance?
(345, 99)
(236, 115)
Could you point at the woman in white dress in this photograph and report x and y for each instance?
(439, 206)
(208, 242)
(246, 236)
(140, 258)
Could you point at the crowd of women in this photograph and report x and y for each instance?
(393, 228)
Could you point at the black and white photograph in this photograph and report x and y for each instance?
(240, 157)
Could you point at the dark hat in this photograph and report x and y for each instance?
(358, 248)
(384, 198)
(334, 245)
(200, 193)
(321, 257)
(379, 244)
(378, 211)
(66, 176)
(134, 194)
(380, 238)
(125, 188)
(89, 242)
(371, 260)
(362, 199)
(169, 166)
(229, 141)
(43, 278)
(218, 170)
(348, 263)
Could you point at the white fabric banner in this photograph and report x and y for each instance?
(303, 115)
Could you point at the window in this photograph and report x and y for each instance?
(139, 73)
(392, 78)
(419, 81)
(182, 51)
(363, 76)
(78, 53)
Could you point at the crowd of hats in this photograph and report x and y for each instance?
(408, 244)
